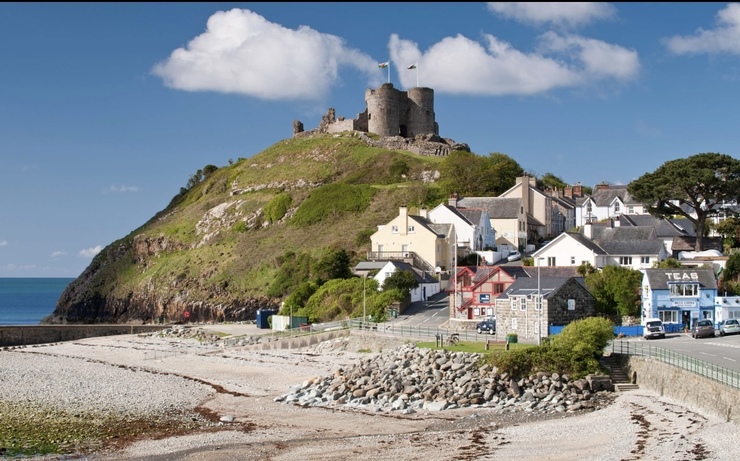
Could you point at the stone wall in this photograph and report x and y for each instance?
(43, 334)
(685, 386)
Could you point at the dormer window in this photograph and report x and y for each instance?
(616, 207)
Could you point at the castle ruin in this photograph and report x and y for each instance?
(404, 120)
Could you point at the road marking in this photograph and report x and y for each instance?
(707, 353)
(731, 360)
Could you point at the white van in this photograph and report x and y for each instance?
(653, 328)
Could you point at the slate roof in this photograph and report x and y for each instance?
(605, 197)
(528, 286)
(441, 229)
(472, 215)
(420, 276)
(659, 278)
(689, 244)
(497, 207)
(664, 228)
(588, 243)
(638, 240)
(462, 214)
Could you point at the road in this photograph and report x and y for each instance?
(723, 351)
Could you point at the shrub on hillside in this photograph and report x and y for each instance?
(330, 200)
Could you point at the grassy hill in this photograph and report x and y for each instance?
(217, 247)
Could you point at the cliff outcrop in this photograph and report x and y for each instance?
(215, 252)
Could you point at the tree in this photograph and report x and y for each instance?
(616, 289)
(401, 280)
(468, 174)
(704, 182)
(668, 263)
(549, 180)
(729, 229)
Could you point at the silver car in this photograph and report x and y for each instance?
(729, 327)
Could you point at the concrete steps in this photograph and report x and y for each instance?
(618, 374)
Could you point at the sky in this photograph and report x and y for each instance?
(106, 109)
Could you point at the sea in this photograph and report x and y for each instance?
(26, 301)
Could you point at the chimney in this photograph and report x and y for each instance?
(403, 212)
(602, 186)
(568, 192)
(577, 190)
(452, 200)
(423, 213)
(588, 230)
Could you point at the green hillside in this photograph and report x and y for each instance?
(216, 249)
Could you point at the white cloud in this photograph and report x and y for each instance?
(725, 38)
(241, 52)
(3, 243)
(58, 253)
(463, 66)
(555, 13)
(122, 188)
(90, 252)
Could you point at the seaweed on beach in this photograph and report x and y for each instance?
(30, 430)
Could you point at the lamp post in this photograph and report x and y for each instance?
(539, 304)
(364, 299)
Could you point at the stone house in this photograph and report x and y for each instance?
(564, 299)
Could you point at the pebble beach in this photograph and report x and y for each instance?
(184, 398)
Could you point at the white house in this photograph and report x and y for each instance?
(607, 201)
(636, 247)
(428, 285)
(472, 225)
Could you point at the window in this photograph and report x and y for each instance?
(571, 304)
(513, 323)
(644, 259)
(572, 260)
(394, 229)
(514, 303)
(684, 289)
(668, 316)
(616, 207)
(551, 261)
(631, 210)
(523, 304)
(588, 207)
(625, 260)
(498, 288)
(411, 229)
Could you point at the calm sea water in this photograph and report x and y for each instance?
(25, 301)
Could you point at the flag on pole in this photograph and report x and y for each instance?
(412, 66)
(383, 65)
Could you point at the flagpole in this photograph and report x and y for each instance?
(417, 76)
(389, 71)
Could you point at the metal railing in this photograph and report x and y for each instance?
(419, 332)
(711, 371)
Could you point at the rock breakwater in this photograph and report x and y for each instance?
(409, 379)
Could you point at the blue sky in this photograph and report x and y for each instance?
(106, 109)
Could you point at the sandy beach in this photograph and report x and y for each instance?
(237, 389)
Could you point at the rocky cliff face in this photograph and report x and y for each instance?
(93, 298)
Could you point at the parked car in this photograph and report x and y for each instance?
(486, 326)
(702, 329)
(729, 327)
(514, 256)
(653, 329)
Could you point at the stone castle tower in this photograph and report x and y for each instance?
(391, 112)
(403, 119)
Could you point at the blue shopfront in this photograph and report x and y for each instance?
(679, 297)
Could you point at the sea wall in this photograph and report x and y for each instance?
(23, 335)
(685, 386)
